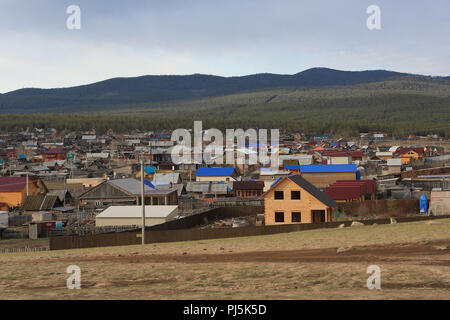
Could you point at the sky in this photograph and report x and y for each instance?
(226, 38)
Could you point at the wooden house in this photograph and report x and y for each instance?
(127, 191)
(13, 190)
(293, 200)
(409, 154)
(321, 176)
(54, 154)
(248, 189)
(215, 174)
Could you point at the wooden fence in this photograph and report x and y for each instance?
(397, 208)
(134, 237)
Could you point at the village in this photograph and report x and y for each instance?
(55, 184)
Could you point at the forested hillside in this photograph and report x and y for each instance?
(401, 105)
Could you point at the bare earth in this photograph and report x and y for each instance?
(414, 259)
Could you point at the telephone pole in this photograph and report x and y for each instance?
(143, 201)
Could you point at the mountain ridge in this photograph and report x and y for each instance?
(162, 88)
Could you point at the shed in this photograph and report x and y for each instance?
(132, 215)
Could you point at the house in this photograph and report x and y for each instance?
(322, 175)
(149, 172)
(209, 189)
(394, 166)
(269, 176)
(87, 182)
(295, 159)
(384, 155)
(127, 191)
(215, 174)
(3, 155)
(248, 189)
(132, 215)
(166, 178)
(409, 154)
(440, 202)
(293, 200)
(9, 153)
(13, 190)
(351, 190)
(54, 154)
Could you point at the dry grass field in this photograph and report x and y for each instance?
(414, 259)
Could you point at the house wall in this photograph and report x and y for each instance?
(340, 160)
(324, 179)
(247, 193)
(440, 202)
(305, 205)
(213, 179)
(16, 198)
(103, 222)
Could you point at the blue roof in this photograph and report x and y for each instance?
(149, 170)
(325, 168)
(149, 184)
(279, 178)
(292, 167)
(214, 172)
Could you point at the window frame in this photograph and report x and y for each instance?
(299, 195)
(275, 216)
(299, 214)
(278, 192)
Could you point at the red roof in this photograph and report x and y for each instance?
(344, 192)
(12, 183)
(338, 153)
(54, 151)
(406, 150)
(350, 189)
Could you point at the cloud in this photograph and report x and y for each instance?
(215, 37)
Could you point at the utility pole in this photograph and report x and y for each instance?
(143, 201)
(27, 186)
(65, 190)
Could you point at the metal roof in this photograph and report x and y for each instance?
(40, 202)
(130, 185)
(136, 212)
(214, 172)
(165, 178)
(328, 168)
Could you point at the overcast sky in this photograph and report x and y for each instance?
(226, 37)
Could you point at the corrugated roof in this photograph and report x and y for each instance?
(165, 178)
(12, 184)
(328, 168)
(130, 185)
(41, 203)
(214, 172)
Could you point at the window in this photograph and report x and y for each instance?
(279, 216)
(295, 195)
(279, 195)
(296, 216)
